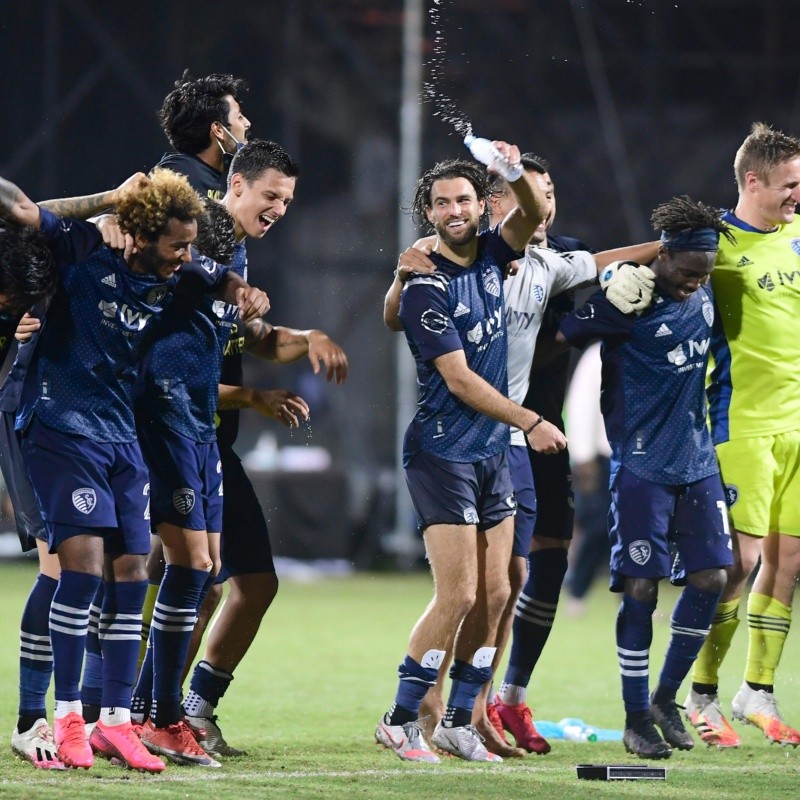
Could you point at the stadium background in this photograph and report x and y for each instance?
(631, 100)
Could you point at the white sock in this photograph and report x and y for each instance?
(115, 716)
(64, 707)
(512, 695)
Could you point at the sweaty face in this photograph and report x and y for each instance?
(257, 206)
(680, 273)
(455, 211)
(164, 256)
(778, 196)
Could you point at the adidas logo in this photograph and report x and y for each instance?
(110, 280)
(663, 331)
(461, 309)
(744, 261)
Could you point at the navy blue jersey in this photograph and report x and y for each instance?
(181, 370)
(458, 308)
(9, 396)
(653, 392)
(84, 372)
(11, 390)
(232, 371)
(205, 180)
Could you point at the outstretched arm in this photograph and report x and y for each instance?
(88, 205)
(16, 205)
(529, 191)
(279, 404)
(284, 345)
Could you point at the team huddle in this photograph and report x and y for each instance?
(125, 315)
(702, 411)
(120, 413)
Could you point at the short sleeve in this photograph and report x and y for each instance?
(71, 241)
(597, 319)
(426, 319)
(202, 272)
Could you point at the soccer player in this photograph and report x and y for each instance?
(455, 447)
(542, 275)
(665, 483)
(755, 424)
(261, 187)
(80, 446)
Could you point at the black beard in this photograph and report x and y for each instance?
(465, 237)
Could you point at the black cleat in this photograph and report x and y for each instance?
(642, 739)
(666, 716)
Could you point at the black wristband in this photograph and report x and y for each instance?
(538, 421)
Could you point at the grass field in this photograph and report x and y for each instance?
(306, 700)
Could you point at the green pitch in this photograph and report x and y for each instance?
(306, 700)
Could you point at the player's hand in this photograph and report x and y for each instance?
(628, 286)
(252, 302)
(113, 237)
(512, 156)
(281, 405)
(512, 268)
(323, 351)
(546, 438)
(414, 259)
(26, 327)
(136, 181)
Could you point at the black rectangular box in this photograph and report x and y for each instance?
(621, 772)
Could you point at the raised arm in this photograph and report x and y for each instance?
(475, 392)
(529, 191)
(644, 253)
(16, 205)
(88, 205)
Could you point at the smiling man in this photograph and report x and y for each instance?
(665, 484)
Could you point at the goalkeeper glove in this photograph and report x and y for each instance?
(628, 286)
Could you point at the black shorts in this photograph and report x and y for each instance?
(555, 511)
(245, 546)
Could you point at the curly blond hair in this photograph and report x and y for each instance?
(147, 207)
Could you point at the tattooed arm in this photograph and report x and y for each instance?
(282, 345)
(16, 205)
(88, 205)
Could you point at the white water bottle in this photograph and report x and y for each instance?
(485, 152)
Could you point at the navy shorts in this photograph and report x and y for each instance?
(647, 520)
(552, 477)
(83, 486)
(452, 493)
(185, 479)
(525, 493)
(28, 518)
(245, 545)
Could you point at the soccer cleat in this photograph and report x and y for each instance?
(37, 746)
(760, 708)
(643, 740)
(667, 718)
(704, 713)
(210, 738)
(121, 745)
(493, 716)
(177, 743)
(463, 741)
(406, 741)
(518, 720)
(73, 746)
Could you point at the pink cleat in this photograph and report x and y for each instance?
(120, 742)
(73, 746)
(519, 721)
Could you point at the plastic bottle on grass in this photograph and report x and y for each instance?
(576, 730)
(485, 152)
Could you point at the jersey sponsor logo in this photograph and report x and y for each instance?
(788, 277)
(476, 334)
(84, 499)
(433, 321)
(155, 296)
(663, 330)
(491, 283)
(708, 313)
(129, 317)
(538, 292)
(221, 309)
(640, 551)
(765, 282)
(678, 356)
(461, 309)
(183, 500)
(520, 319)
(471, 516)
(744, 261)
(795, 245)
(110, 280)
(486, 328)
(731, 494)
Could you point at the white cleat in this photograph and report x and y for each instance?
(37, 746)
(759, 708)
(464, 742)
(406, 741)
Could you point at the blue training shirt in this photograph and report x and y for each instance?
(653, 390)
(82, 378)
(458, 308)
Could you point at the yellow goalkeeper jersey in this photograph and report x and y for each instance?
(755, 384)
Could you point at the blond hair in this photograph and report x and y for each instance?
(763, 150)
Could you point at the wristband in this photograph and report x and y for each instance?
(538, 421)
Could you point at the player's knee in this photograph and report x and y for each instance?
(497, 597)
(457, 602)
(709, 580)
(645, 590)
